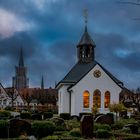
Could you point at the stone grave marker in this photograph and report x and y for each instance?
(104, 119)
(19, 126)
(86, 126)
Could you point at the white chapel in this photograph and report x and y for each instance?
(88, 83)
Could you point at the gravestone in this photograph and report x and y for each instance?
(58, 121)
(133, 128)
(104, 119)
(19, 126)
(86, 126)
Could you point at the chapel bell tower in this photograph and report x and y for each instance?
(85, 48)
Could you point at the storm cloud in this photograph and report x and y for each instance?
(49, 30)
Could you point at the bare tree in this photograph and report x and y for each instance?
(40, 96)
(27, 96)
(45, 96)
(136, 98)
(12, 95)
(131, 98)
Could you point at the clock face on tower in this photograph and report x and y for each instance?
(97, 73)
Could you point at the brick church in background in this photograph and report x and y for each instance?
(20, 80)
(39, 97)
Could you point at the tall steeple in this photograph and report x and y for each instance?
(85, 48)
(20, 80)
(21, 60)
(42, 83)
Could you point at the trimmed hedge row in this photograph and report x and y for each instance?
(102, 133)
(25, 115)
(65, 116)
(48, 115)
(42, 129)
(5, 114)
(75, 132)
(101, 126)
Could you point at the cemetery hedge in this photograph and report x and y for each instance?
(4, 114)
(42, 129)
(48, 115)
(102, 126)
(65, 116)
(64, 127)
(25, 115)
(75, 132)
(102, 133)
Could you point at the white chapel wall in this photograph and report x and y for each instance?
(90, 83)
(63, 100)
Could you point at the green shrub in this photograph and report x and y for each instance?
(3, 129)
(101, 133)
(36, 117)
(117, 125)
(42, 128)
(131, 137)
(48, 115)
(65, 116)
(19, 139)
(128, 121)
(60, 128)
(126, 136)
(25, 115)
(101, 126)
(70, 124)
(9, 108)
(51, 138)
(5, 114)
(50, 110)
(58, 121)
(75, 132)
(124, 130)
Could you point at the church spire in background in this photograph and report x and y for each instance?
(20, 80)
(42, 82)
(21, 60)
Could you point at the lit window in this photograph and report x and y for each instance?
(97, 98)
(107, 99)
(86, 99)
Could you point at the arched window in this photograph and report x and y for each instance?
(97, 98)
(107, 99)
(86, 99)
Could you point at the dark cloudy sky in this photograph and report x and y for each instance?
(49, 30)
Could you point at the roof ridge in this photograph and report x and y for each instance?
(117, 81)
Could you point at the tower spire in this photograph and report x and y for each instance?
(85, 48)
(21, 60)
(42, 82)
(86, 18)
(20, 80)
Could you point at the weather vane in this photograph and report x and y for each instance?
(86, 15)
